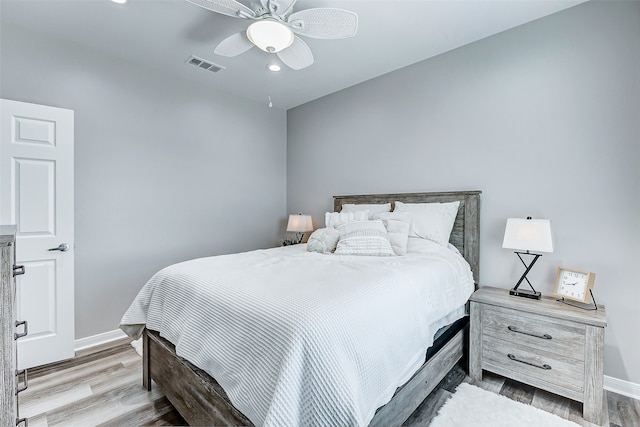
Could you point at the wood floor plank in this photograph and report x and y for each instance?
(131, 375)
(147, 414)
(614, 415)
(108, 405)
(95, 389)
(50, 393)
(626, 409)
(77, 361)
(83, 370)
(39, 420)
(551, 403)
(605, 411)
(54, 385)
(517, 391)
(42, 403)
(120, 342)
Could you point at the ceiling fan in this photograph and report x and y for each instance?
(275, 28)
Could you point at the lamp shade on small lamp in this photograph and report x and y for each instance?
(300, 223)
(528, 235)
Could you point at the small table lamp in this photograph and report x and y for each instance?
(527, 235)
(300, 224)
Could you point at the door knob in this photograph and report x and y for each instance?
(62, 247)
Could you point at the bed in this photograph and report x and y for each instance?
(202, 400)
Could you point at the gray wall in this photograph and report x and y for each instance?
(164, 171)
(544, 119)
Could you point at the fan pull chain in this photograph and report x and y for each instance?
(269, 87)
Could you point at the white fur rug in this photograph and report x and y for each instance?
(473, 406)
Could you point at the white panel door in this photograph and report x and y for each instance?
(36, 193)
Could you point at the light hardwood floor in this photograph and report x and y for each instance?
(105, 388)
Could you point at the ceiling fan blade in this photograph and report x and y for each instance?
(324, 23)
(297, 56)
(234, 45)
(226, 7)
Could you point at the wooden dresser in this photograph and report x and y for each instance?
(12, 382)
(543, 343)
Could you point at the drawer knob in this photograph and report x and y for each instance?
(18, 270)
(515, 359)
(531, 334)
(26, 381)
(17, 335)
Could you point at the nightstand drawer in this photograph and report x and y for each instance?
(551, 335)
(522, 361)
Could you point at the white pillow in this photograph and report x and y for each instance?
(416, 244)
(323, 240)
(453, 249)
(333, 219)
(397, 225)
(363, 238)
(372, 208)
(432, 221)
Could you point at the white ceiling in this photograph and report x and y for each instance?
(162, 34)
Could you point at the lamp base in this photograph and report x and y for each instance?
(525, 293)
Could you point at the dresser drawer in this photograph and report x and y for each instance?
(538, 332)
(523, 362)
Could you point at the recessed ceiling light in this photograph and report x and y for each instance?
(273, 67)
(119, 1)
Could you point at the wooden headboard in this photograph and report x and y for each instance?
(466, 229)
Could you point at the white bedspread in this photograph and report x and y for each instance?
(304, 339)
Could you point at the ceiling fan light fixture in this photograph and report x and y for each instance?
(270, 35)
(273, 67)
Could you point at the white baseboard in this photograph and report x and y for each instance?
(103, 338)
(626, 388)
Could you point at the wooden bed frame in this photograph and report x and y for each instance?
(202, 401)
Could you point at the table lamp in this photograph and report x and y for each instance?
(527, 235)
(300, 224)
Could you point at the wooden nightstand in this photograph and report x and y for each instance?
(544, 343)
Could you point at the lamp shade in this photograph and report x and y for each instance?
(270, 36)
(300, 223)
(528, 235)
